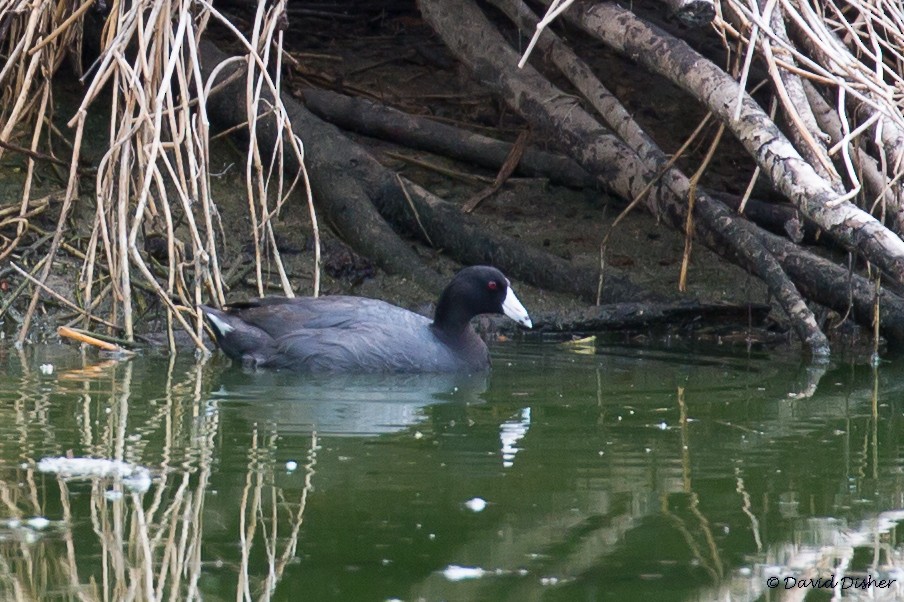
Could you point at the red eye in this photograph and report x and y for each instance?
(492, 285)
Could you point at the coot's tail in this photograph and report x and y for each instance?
(238, 339)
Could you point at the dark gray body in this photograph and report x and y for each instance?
(342, 334)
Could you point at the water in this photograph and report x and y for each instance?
(567, 474)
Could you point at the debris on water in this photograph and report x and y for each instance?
(139, 482)
(476, 504)
(135, 478)
(111, 495)
(46, 369)
(453, 572)
(291, 465)
(27, 530)
(39, 523)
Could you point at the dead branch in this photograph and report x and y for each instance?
(416, 131)
(330, 158)
(680, 315)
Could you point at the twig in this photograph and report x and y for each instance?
(413, 209)
(508, 167)
(83, 337)
(458, 175)
(62, 299)
(554, 10)
(38, 156)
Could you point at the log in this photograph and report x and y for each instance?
(635, 316)
(773, 217)
(414, 131)
(838, 288)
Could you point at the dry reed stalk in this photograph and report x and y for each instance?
(81, 337)
(278, 564)
(604, 243)
(155, 175)
(691, 200)
(853, 48)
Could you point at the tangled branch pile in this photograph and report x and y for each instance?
(834, 70)
(155, 236)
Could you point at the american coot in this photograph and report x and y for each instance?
(354, 334)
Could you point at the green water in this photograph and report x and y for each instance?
(619, 474)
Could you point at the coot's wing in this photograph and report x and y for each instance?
(388, 346)
(279, 315)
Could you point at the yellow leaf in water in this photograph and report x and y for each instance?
(586, 346)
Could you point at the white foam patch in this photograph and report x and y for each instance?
(220, 324)
(453, 572)
(476, 504)
(134, 477)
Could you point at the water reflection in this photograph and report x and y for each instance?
(343, 404)
(616, 475)
(510, 433)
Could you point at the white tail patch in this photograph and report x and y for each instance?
(219, 324)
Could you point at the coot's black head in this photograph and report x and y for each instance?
(477, 290)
